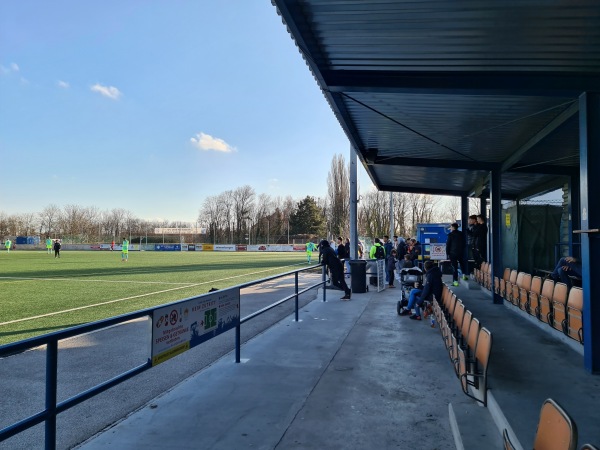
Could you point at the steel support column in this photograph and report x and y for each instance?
(589, 167)
(495, 221)
(573, 204)
(353, 205)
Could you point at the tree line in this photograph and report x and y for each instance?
(242, 216)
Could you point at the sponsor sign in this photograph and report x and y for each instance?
(242, 248)
(207, 247)
(280, 248)
(191, 247)
(165, 247)
(181, 326)
(437, 251)
(224, 248)
(299, 248)
(180, 231)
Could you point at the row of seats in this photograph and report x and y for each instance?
(469, 344)
(551, 302)
(556, 430)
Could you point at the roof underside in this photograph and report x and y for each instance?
(435, 94)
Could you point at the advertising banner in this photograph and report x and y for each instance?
(437, 251)
(181, 326)
(300, 248)
(257, 248)
(224, 248)
(207, 247)
(191, 247)
(184, 247)
(242, 248)
(165, 247)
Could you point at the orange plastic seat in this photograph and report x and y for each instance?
(559, 307)
(574, 325)
(556, 430)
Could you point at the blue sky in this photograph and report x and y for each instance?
(152, 106)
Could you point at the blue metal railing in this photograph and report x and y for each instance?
(51, 340)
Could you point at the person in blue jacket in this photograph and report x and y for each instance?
(433, 286)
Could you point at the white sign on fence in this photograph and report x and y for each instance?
(437, 251)
(181, 326)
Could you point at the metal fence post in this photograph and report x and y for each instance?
(51, 389)
(323, 278)
(237, 342)
(296, 283)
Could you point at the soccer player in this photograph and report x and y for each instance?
(125, 250)
(49, 245)
(8, 244)
(310, 248)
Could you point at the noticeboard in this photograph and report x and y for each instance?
(437, 251)
(181, 326)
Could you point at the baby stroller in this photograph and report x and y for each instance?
(408, 278)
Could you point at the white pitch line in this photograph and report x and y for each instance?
(79, 280)
(137, 296)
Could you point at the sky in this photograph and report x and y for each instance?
(154, 106)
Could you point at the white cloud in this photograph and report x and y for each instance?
(107, 91)
(63, 84)
(207, 142)
(14, 67)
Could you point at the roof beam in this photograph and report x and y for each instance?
(441, 163)
(461, 82)
(541, 135)
(418, 190)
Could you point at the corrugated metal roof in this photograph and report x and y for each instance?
(422, 86)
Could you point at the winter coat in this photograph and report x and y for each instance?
(433, 284)
(455, 245)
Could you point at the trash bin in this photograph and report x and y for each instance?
(358, 272)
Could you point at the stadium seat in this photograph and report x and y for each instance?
(545, 300)
(473, 374)
(524, 291)
(500, 284)
(515, 288)
(533, 306)
(574, 325)
(559, 307)
(509, 284)
(556, 430)
(588, 447)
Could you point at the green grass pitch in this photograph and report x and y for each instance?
(40, 294)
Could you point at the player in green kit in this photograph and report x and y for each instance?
(8, 244)
(125, 250)
(310, 248)
(49, 245)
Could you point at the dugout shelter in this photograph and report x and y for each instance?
(490, 99)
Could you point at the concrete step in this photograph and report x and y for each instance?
(473, 426)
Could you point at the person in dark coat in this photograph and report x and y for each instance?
(455, 251)
(390, 265)
(480, 241)
(433, 287)
(327, 257)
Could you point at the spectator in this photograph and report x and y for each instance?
(327, 257)
(433, 286)
(387, 246)
(455, 251)
(405, 263)
(472, 223)
(57, 248)
(400, 247)
(390, 266)
(480, 241)
(374, 252)
(414, 250)
(565, 268)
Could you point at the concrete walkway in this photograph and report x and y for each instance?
(354, 375)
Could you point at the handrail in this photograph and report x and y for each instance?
(52, 408)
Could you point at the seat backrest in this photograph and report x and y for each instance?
(506, 275)
(466, 324)
(513, 276)
(473, 334)
(575, 311)
(560, 294)
(484, 348)
(548, 289)
(526, 282)
(520, 279)
(588, 447)
(556, 430)
(536, 285)
(459, 314)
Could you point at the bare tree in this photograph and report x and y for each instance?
(374, 213)
(48, 218)
(243, 204)
(338, 196)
